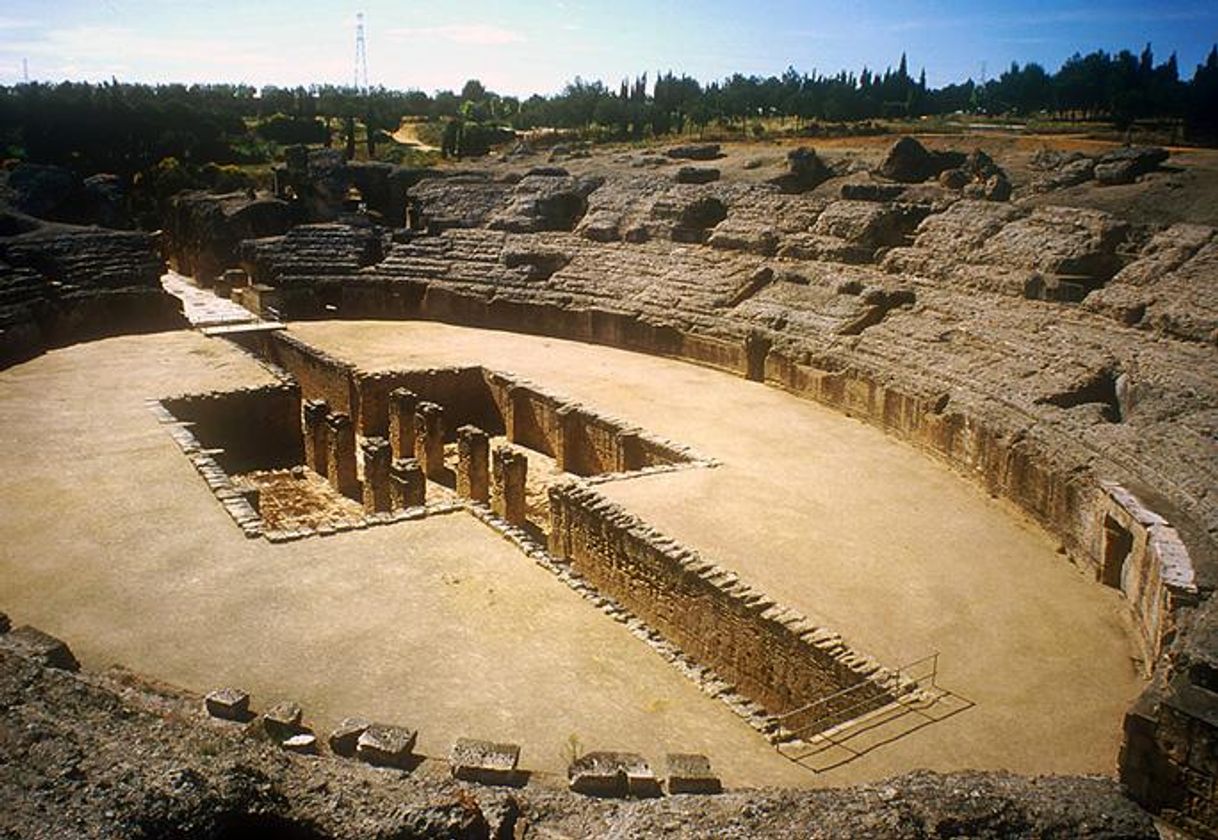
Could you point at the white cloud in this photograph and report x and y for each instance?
(479, 34)
(98, 52)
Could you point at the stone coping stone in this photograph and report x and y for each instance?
(32, 643)
(228, 704)
(487, 762)
(691, 773)
(282, 720)
(345, 737)
(617, 774)
(386, 746)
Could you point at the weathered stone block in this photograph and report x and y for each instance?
(386, 746)
(691, 773)
(429, 439)
(402, 406)
(473, 469)
(510, 475)
(407, 486)
(32, 643)
(340, 455)
(228, 704)
(377, 458)
(346, 735)
(282, 720)
(612, 774)
(484, 761)
(315, 435)
(566, 447)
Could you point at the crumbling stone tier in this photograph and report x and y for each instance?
(1062, 356)
(1042, 349)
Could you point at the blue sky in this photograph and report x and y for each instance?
(520, 47)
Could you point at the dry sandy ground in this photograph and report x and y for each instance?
(111, 540)
(862, 533)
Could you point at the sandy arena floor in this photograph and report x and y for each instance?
(111, 540)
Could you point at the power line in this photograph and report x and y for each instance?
(361, 54)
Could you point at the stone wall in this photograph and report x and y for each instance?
(320, 376)
(581, 440)
(1169, 758)
(1141, 554)
(1033, 473)
(252, 428)
(461, 390)
(61, 284)
(772, 655)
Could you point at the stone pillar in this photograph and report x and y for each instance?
(377, 456)
(316, 435)
(756, 348)
(510, 414)
(429, 439)
(627, 451)
(473, 471)
(402, 406)
(340, 455)
(565, 446)
(510, 470)
(407, 487)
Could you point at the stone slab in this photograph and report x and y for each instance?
(386, 746)
(487, 762)
(691, 773)
(228, 704)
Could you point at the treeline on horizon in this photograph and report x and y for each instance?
(127, 128)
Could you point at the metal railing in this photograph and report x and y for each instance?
(855, 708)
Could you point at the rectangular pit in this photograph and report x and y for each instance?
(255, 444)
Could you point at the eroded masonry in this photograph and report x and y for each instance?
(1059, 356)
(386, 447)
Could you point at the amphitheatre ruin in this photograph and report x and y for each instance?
(634, 471)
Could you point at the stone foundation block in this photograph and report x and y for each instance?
(616, 774)
(314, 414)
(429, 439)
(377, 459)
(282, 720)
(345, 737)
(509, 473)
(691, 773)
(473, 468)
(386, 746)
(407, 486)
(340, 455)
(484, 761)
(228, 704)
(403, 404)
